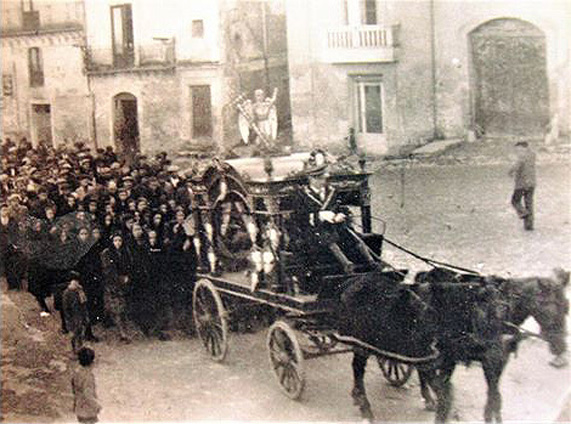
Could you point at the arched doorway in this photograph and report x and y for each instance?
(509, 78)
(125, 124)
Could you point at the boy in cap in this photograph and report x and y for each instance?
(85, 403)
(74, 311)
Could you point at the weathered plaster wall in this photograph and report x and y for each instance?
(64, 88)
(321, 93)
(455, 20)
(417, 107)
(154, 19)
(158, 107)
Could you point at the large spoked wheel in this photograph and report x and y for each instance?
(210, 319)
(286, 359)
(395, 372)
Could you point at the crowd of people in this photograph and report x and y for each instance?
(134, 236)
(124, 228)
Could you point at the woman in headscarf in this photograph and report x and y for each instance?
(38, 240)
(89, 269)
(116, 270)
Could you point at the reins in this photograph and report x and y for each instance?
(432, 262)
(435, 263)
(375, 256)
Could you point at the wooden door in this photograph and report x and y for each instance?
(201, 111)
(42, 124)
(511, 95)
(126, 124)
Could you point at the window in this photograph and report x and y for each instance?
(35, 67)
(122, 36)
(30, 17)
(345, 12)
(7, 85)
(369, 12)
(359, 12)
(369, 114)
(27, 6)
(198, 28)
(201, 111)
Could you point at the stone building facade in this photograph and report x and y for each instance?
(45, 96)
(163, 78)
(403, 72)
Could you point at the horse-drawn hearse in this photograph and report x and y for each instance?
(279, 233)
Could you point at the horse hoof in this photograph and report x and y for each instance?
(559, 362)
(368, 418)
(430, 406)
(357, 397)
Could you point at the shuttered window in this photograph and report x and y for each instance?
(198, 28)
(35, 67)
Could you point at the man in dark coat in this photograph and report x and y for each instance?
(182, 264)
(140, 278)
(8, 249)
(90, 269)
(42, 277)
(523, 172)
(158, 291)
(331, 227)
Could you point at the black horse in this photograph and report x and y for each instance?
(465, 314)
(517, 299)
(380, 315)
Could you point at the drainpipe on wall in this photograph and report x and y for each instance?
(15, 94)
(93, 121)
(90, 93)
(433, 70)
(265, 47)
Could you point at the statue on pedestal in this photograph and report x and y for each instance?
(258, 120)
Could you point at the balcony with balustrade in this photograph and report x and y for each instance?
(361, 44)
(158, 55)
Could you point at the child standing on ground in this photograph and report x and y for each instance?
(85, 403)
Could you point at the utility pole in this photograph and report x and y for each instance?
(433, 70)
(265, 46)
(86, 64)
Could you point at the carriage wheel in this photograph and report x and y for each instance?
(395, 372)
(210, 319)
(286, 359)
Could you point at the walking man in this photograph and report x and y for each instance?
(523, 172)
